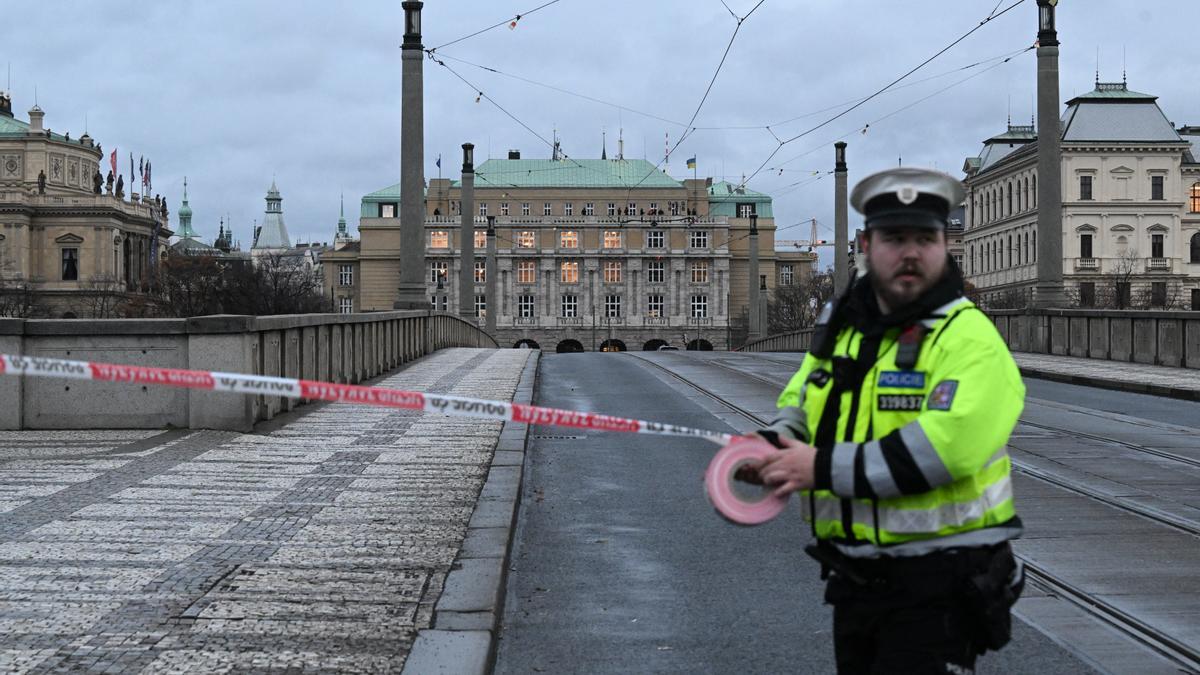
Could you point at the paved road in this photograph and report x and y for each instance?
(621, 566)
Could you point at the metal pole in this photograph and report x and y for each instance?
(841, 227)
(466, 271)
(752, 285)
(493, 302)
(411, 291)
(1049, 291)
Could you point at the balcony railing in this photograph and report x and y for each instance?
(570, 320)
(655, 321)
(525, 321)
(1087, 263)
(1158, 264)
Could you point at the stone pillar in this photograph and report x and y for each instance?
(12, 342)
(1049, 289)
(412, 155)
(466, 270)
(752, 285)
(227, 344)
(841, 227)
(490, 271)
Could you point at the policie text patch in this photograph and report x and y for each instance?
(942, 396)
(900, 401)
(902, 379)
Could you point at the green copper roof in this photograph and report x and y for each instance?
(723, 198)
(571, 173)
(1108, 91)
(11, 126)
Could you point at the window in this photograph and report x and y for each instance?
(1196, 299)
(745, 210)
(655, 239)
(570, 305)
(70, 264)
(525, 239)
(612, 271)
(786, 275)
(699, 306)
(1009, 203)
(346, 305)
(612, 306)
(387, 210)
(480, 271)
(504, 208)
(1195, 248)
(546, 209)
(589, 209)
(1122, 294)
(346, 275)
(612, 239)
(568, 209)
(480, 239)
(1156, 187)
(699, 270)
(698, 239)
(526, 272)
(654, 305)
(524, 208)
(480, 305)
(674, 206)
(1085, 187)
(568, 239)
(656, 271)
(1156, 246)
(654, 208)
(439, 239)
(438, 270)
(1085, 246)
(1194, 198)
(483, 208)
(632, 210)
(1087, 294)
(569, 272)
(1158, 294)
(612, 209)
(525, 306)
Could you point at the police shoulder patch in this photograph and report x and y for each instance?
(902, 379)
(942, 396)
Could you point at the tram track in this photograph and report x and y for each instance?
(1185, 655)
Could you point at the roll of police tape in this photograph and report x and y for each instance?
(723, 490)
(455, 406)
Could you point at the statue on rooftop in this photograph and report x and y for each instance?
(97, 181)
(120, 187)
(110, 183)
(41, 182)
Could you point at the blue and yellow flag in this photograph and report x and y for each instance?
(691, 163)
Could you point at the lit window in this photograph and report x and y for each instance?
(698, 239)
(612, 239)
(568, 239)
(438, 270)
(439, 239)
(570, 305)
(569, 272)
(699, 306)
(480, 239)
(480, 271)
(526, 272)
(655, 239)
(525, 239)
(387, 210)
(699, 270)
(745, 210)
(612, 271)
(346, 275)
(346, 305)
(525, 306)
(655, 272)
(612, 306)
(1194, 193)
(654, 305)
(589, 209)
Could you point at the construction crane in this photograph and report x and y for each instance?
(810, 243)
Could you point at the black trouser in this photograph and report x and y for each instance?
(918, 615)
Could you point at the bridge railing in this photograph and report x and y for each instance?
(794, 341)
(343, 348)
(1164, 338)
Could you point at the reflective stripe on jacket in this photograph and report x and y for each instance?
(910, 461)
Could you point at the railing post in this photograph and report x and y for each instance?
(12, 341)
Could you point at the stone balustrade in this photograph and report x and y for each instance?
(343, 348)
(793, 341)
(1163, 338)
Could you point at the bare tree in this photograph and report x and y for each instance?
(17, 298)
(275, 284)
(191, 286)
(103, 297)
(1114, 291)
(796, 307)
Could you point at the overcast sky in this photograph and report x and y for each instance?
(233, 93)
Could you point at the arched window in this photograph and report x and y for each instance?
(1009, 207)
(1195, 246)
(1026, 191)
(1194, 197)
(1035, 199)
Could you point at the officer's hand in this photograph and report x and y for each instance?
(790, 469)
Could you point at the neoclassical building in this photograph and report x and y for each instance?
(1130, 207)
(68, 246)
(591, 254)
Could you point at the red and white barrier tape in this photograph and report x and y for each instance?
(455, 406)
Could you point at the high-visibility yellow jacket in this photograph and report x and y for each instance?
(909, 461)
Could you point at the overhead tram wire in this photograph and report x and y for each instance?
(495, 26)
(993, 15)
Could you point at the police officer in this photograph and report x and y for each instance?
(894, 431)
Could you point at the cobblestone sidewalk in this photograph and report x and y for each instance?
(319, 547)
(1138, 377)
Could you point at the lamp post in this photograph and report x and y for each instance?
(755, 328)
(491, 302)
(411, 291)
(841, 227)
(1049, 289)
(466, 270)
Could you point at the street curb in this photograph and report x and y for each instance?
(467, 616)
(1110, 383)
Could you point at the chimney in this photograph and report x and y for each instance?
(35, 120)
(514, 154)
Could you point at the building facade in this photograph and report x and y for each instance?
(71, 245)
(591, 254)
(1130, 207)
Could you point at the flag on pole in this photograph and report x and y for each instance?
(112, 159)
(149, 184)
(131, 172)
(691, 163)
(439, 162)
